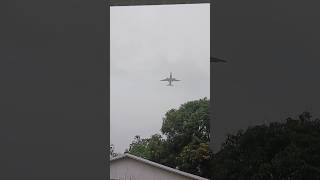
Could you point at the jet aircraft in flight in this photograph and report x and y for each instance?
(170, 80)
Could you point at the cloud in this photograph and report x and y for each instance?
(148, 42)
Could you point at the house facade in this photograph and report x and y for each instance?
(129, 167)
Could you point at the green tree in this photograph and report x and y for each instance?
(278, 151)
(139, 147)
(184, 144)
(289, 150)
(188, 134)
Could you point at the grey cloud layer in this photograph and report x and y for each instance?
(146, 44)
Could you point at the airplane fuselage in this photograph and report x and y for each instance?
(170, 80)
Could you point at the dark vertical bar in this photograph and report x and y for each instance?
(53, 86)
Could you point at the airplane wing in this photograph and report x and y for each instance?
(166, 79)
(173, 79)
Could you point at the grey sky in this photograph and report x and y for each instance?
(147, 43)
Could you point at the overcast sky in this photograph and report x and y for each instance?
(147, 43)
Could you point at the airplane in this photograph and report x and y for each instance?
(170, 80)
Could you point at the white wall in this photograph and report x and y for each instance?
(129, 169)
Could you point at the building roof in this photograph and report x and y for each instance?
(130, 156)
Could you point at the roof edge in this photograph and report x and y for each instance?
(158, 166)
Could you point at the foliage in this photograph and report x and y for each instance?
(288, 150)
(139, 147)
(184, 140)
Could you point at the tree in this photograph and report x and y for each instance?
(157, 148)
(187, 131)
(139, 147)
(289, 150)
(189, 123)
(184, 144)
(195, 159)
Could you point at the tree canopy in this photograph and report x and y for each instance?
(287, 150)
(184, 141)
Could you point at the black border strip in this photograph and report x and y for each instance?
(153, 2)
